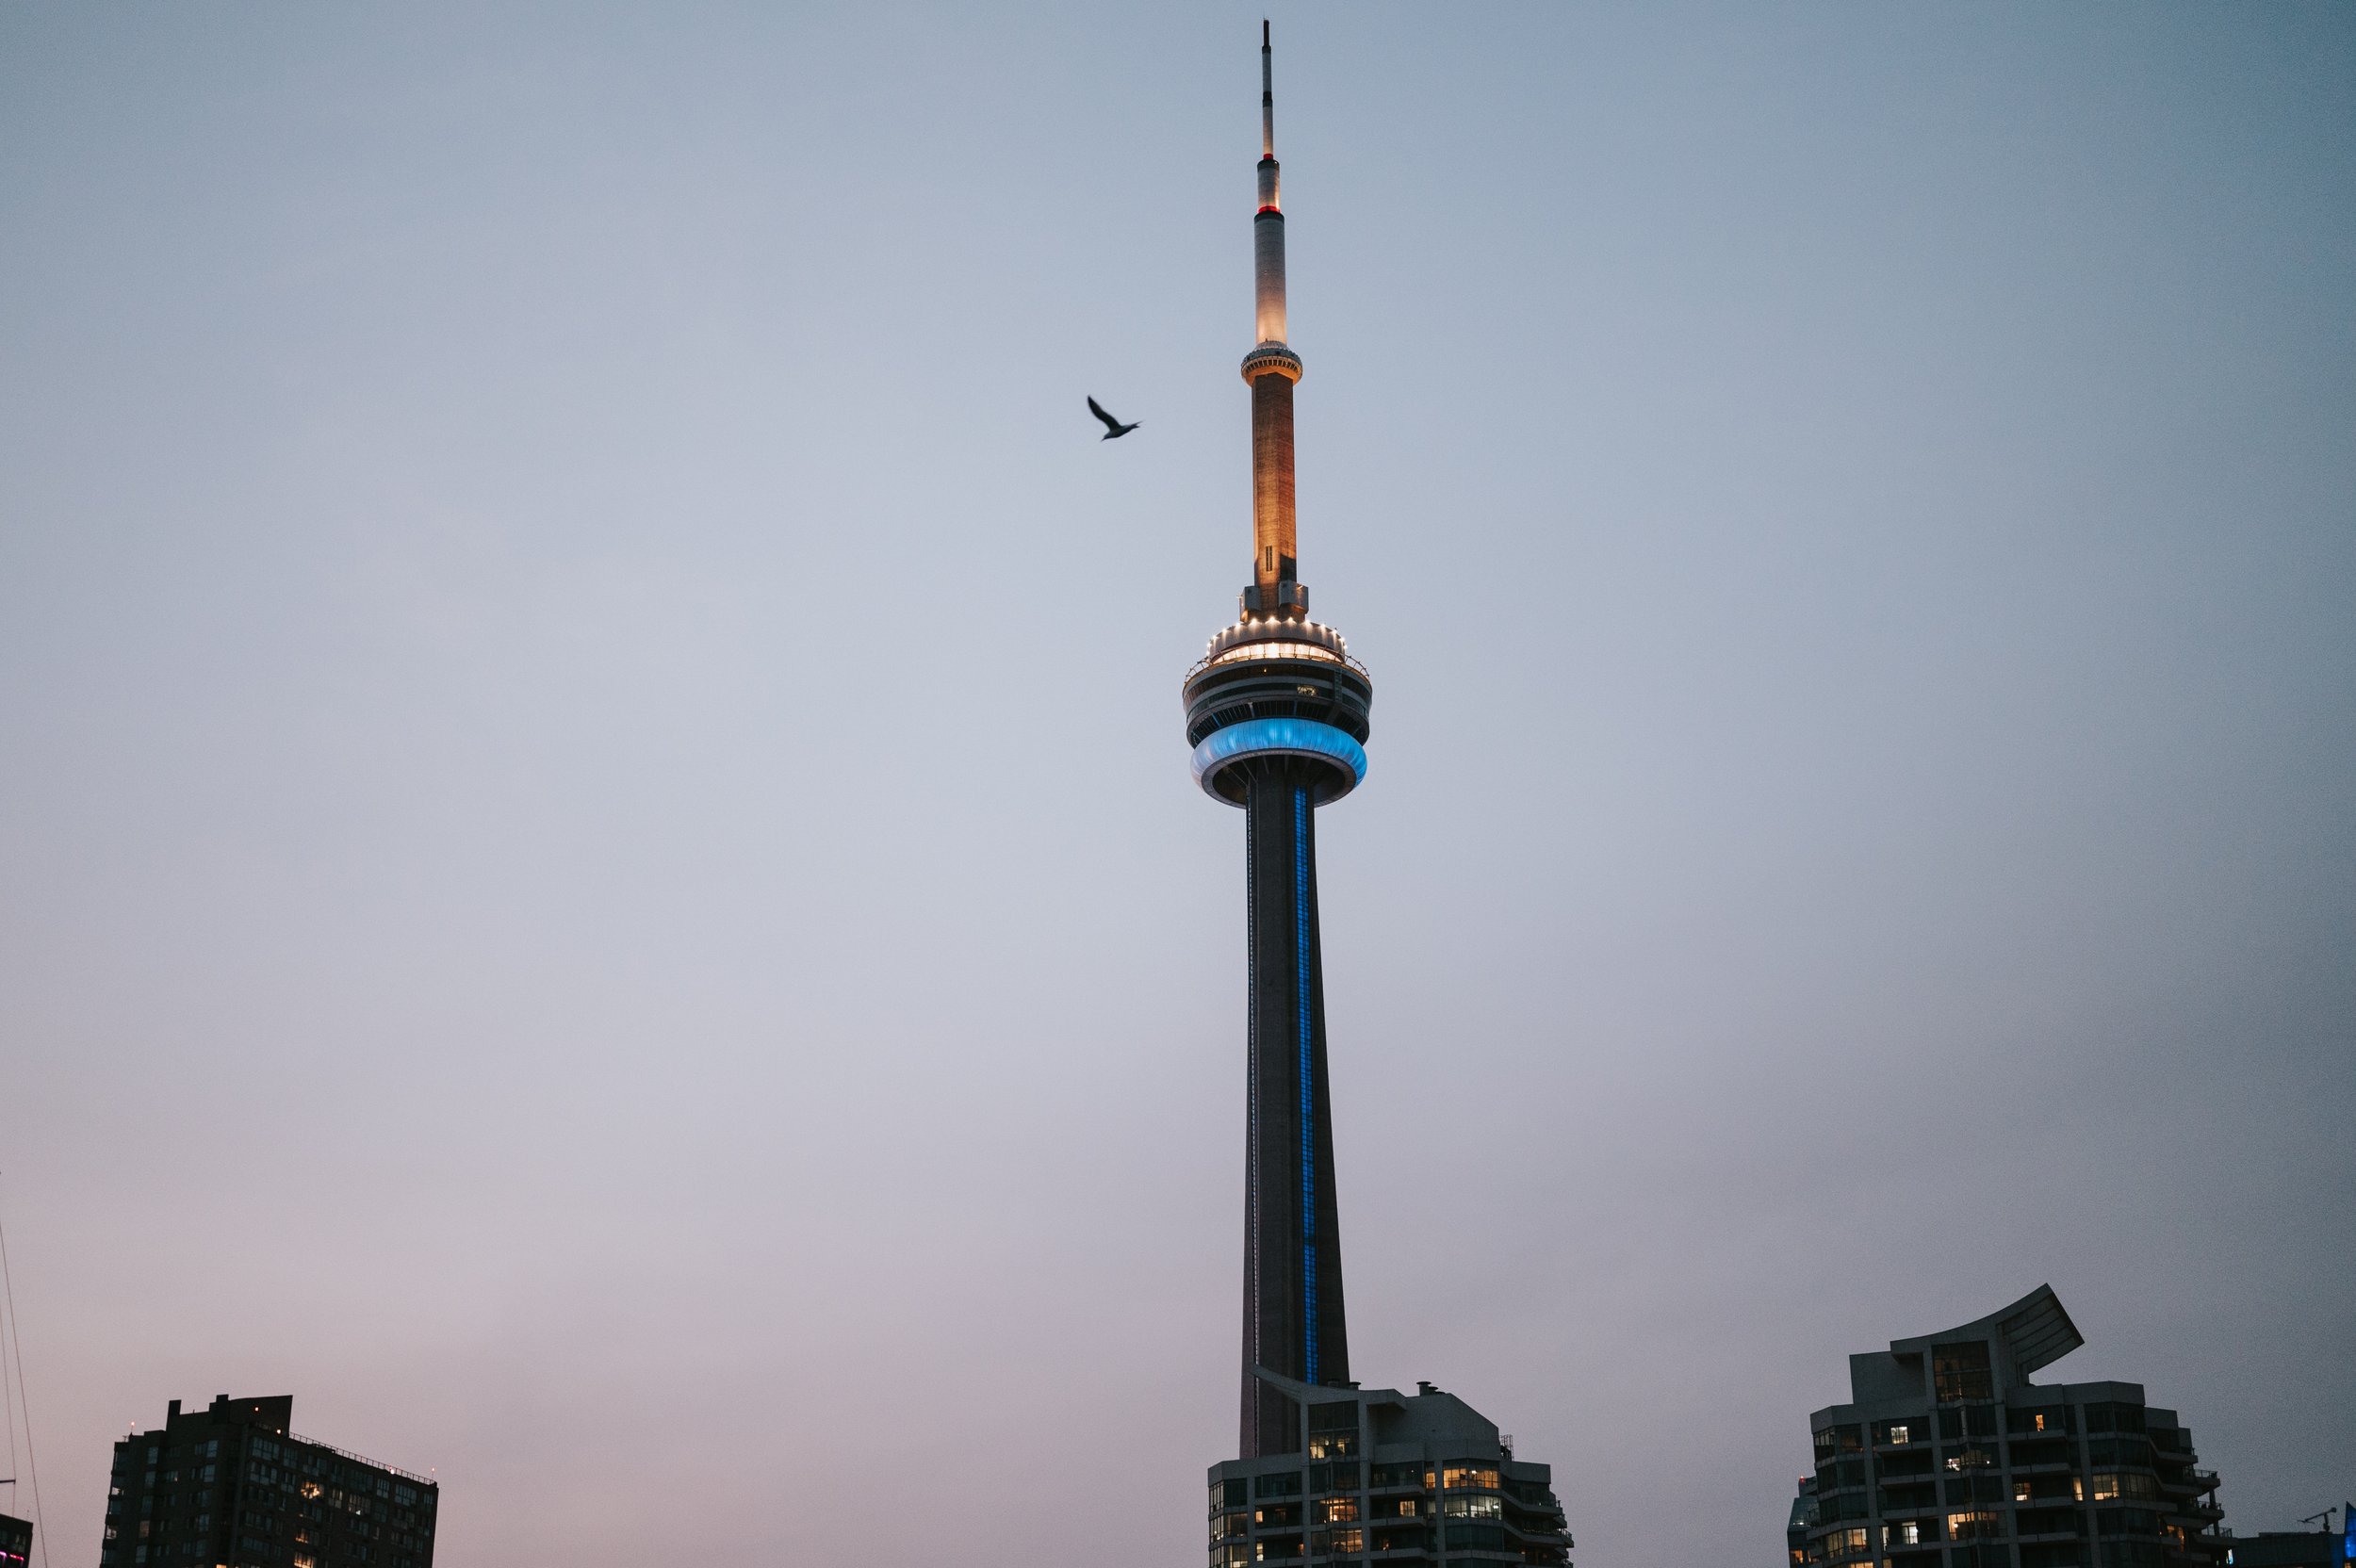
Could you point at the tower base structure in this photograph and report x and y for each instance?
(1417, 1480)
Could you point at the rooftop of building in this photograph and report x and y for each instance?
(273, 1414)
(1989, 1358)
(1430, 1423)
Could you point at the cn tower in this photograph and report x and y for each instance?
(1277, 713)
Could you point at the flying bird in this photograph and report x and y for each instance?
(1113, 427)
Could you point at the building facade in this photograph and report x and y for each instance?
(230, 1485)
(1947, 1456)
(1386, 1478)
(1278, 714)
(16, 1542)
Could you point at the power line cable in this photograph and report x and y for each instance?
(8, 1409)
(24, 1400)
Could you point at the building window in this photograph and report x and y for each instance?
(1474, 1507)
(1961, 1372)
(1906, 1532)
(1845, 1545)
(1471, 1474)
(1337, 1510)
(2048, 1521)
(1975, 1527)
(1980, 1557)
(2059, 1554)
(2107, 1487)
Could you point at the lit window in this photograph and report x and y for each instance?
(1975, 1527)
(1906, 1532)
(1842, 1546)
(1248, 652)
(1337, 1510)
(1969, 1459)
(1461, 1507)
(1472, 1475)
(1901, 1434)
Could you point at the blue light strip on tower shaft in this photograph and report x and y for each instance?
(1308, 1121)
(1253, 1174)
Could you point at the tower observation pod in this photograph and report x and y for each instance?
(1277, 713)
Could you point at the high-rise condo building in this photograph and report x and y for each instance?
(1947, 1456)
(16, 1542)
(1277, 713)
(229, 1485)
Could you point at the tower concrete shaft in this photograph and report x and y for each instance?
(1293, 1322)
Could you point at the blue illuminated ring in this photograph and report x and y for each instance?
(1281, 738)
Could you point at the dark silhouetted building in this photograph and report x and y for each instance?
(229, 1485)
(1278, 715)
(1947, 1456)
(2291, 1549)
(16, 1542)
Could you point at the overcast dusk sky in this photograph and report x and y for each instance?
(597, 875)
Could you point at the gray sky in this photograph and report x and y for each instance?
(598, 877)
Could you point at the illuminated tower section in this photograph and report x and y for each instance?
(1328, 1474)
(1277, 715)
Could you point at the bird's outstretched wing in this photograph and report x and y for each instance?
(1098, 409)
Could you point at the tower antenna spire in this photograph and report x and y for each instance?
(1272, 368)
(1268, 95)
